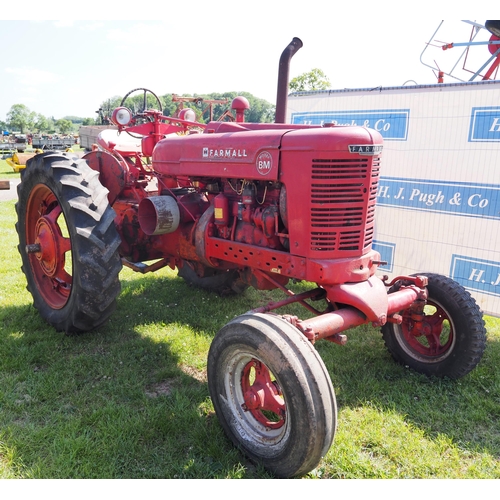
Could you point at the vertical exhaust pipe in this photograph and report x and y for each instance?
(283, 74)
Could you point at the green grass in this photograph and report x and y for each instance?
(6, 171)
(130, 400)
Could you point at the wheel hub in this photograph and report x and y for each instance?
(426, 333)
(262, 396)
(47, 246)
(48, 254)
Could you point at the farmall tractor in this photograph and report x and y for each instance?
(232, 204)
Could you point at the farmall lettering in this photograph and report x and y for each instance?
(227, 153)
(365, 150)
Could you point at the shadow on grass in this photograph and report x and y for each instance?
(131, 400)
(119, 402)
(467, 411)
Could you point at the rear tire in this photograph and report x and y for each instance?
(68, 242)
(452, 339)
(272, 393)
(221, 282)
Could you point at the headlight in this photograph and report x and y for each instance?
(121, 116)
(187, 114)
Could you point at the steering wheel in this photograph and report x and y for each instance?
(137, 111)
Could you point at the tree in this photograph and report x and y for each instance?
(260, 110)
(313, 80)
(170, 107)
(106, 110)
(41, 123)
(76, 120)
(20, 118)
(64, 126)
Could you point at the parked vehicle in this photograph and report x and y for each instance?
(53, 142)
(232, 205)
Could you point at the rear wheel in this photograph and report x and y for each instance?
(446, 339)
(221, 282)
(68, 242)
(272, 393)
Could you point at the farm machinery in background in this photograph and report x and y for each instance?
(458, 66)
(230, 205)
(10, 144)
(17, 160)
(88, 133)
(14, 151)
(53, 142)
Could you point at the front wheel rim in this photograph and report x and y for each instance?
(430, 338)
(256, 400)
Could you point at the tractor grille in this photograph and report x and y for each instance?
(343, 197)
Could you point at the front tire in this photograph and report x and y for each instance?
(450, 340)
(68, 242)
(272, 393)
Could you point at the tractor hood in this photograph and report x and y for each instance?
(232, 151)
(243, 154)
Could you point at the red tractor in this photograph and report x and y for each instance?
(231, 205)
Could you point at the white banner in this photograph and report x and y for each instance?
(439, 192)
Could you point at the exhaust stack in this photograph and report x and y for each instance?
(283, 75)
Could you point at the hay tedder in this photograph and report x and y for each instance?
(231, 205)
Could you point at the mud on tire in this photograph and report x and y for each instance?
(272, 393)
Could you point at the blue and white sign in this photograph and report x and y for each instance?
(485, 124)
(476, 274)
(386, 251)
(474, 200)
(392, 124)
(438, 194)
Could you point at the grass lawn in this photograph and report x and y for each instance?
(130, 400)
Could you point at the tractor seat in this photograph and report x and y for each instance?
(113, 140)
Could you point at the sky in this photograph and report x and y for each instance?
(99, 50)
